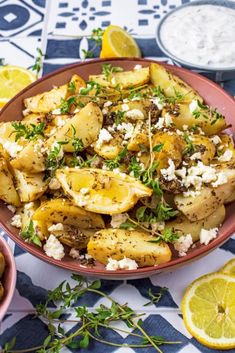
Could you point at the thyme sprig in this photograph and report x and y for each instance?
(108, 70)
(88, 323)
(30, 132)
(37, 67)
(30, 235)
(96, 36)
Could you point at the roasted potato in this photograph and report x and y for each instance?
(73, 236)
(125, 79)
(65, 212)
(34, 118)
(171, 84)
(203, 205)
(8, 191)
(205, 147)
(7, 139)
(172, 148)
(85, 125)
(139, 138)
(137, 109)
(120, 243)
(26, 213)
(109, 150)
(30, 159)
(2, 264)
(184, 226)
(30, 187)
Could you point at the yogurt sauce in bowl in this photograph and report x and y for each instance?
(201, 35)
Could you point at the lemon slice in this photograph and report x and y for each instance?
(101, 191)
(229, 268)
(117, 42)
(208, 309)
(12, 80)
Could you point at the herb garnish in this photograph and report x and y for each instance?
(66, 104)
(76, 142)
(107, 70)
(88, 323)
(55, 157)
(115, 163)
(38, 62)
(167, 235)
(135, 167)
(158, 147)
(30, 132)
(190, 147)
(96, 36)
(206, 112)
(30, 235)
(156, 297)
(71, 87)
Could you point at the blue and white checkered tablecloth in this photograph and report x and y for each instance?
(60, 28)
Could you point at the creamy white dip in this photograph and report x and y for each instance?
(202, 35)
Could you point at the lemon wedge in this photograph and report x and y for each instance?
(208, 308)
(101, 191)
(229, 268)
(12, 80)
(117, 42)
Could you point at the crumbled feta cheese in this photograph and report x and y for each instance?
(29, 205)
(124, 264)
(169, 173)
(160, 123)
(183, 244)
(137, 67)
(181, 172)
(226, 157)
(26, 112)
(54, 248)
(165, 121)
(125, 107)
(195, 156)
(56, 111)
(193, 106)
(157, 101)
(108, 103)
(74, 253)
(60, 122)
(11, 208)
(216, 140)
(135, 114)
(105, 111)
(221, 179)
(16, 221)
(12, 148)
(82, 203)
(118, 219)
(113, 81)
(84, 191)
(127, 129)
(104, 136)
(56, 227)
(207, 235)
(168, 120)
(191, 193)
(54, 184)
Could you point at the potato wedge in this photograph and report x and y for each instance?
(109, 150)
(101, 191)
(120, 243)
(205, 146)
(205, 121)
(74, 237)
(30, 159)
(134, 107)
(30, 187)
(8, 191)
(34, 118)
(26, 213)
(139, 138)
(125, 79)
(204, 204)
(172, 148)
(65, 212)
(184, 226)
(171, 83)
(7, 139)
(85, 125)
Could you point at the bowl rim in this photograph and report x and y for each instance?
(7, 300)
(230, 4)
(102, 272)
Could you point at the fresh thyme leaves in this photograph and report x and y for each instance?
(159, 92)
(96, 36)
(162, 212)
(71, 87)
(30, 235)
(88, 323)
(178, 97)
(206, 112)
(55, 157)
(66, 104)
(190, 147)
(167, 235)
(156, 297)
(119, 115)
(108, 70)
(76, 142)
(30, 132)
(38, 62)
(158, 147)
(89, 87)
(135, 168)
(127, 225)
(115, 163)
(149, 180)
(216, 116)
(78, 161)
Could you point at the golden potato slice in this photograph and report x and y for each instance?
(8, 191)
(101, 191)
(172, 148)
(171, 83)
(205, 146)
(109, 150)
(139, 138)
(137, 109)
(73, 236)
(64, 211)
(26, 213)
(184, 226)
(85, 125)
(30, 159)
(2, 264)
(204, 120)
(209, 199)
(30, 187)
(125, 79)
(120, 243)
(34, 118)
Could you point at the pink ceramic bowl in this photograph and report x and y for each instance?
(9, 277)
